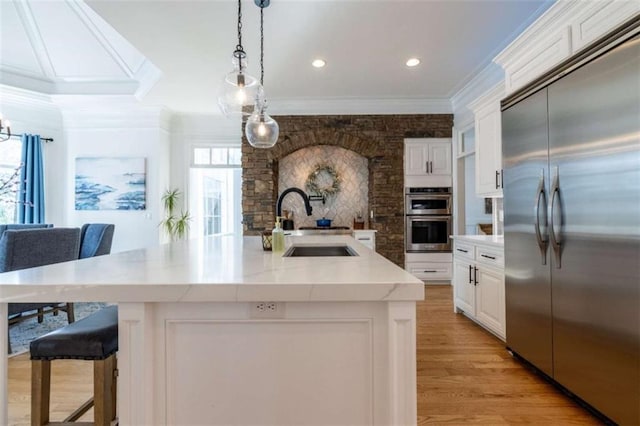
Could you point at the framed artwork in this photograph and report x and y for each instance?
(110, 183)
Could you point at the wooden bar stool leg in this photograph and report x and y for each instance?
(40, 392)
(71, 316)
(102, 391)
(114, 388)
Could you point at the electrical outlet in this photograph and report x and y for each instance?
(267, 310)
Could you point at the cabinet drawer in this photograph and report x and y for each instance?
(366, 237)
(463, 250)
(430, 271)
(490, 256)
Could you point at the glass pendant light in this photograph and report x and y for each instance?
(239, 89)
(261, 130)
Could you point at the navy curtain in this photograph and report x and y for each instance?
(31, 197)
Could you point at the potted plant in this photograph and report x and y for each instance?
(175, 225)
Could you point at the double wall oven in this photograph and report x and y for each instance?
(428, 220)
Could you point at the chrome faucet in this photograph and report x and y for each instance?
(305, 197)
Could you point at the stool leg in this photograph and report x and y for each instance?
(102, 391)
(114, 388)
(71, 316)
(40, 392)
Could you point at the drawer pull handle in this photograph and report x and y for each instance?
(430, 271)
(464, 251)
(488, 257)
(364, 239)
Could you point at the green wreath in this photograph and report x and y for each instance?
(312, 181)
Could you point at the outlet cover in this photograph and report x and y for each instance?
(266, 310)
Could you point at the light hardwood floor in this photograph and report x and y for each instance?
(465, 376)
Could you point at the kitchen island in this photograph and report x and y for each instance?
(218, 331)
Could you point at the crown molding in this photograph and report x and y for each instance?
(110, 111)
(10, 95)
(484, 81)
(494, 94)
(558, 15)
(351, 106)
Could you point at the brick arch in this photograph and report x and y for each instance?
(356, 143)
(376, 137)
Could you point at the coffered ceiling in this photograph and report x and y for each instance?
(175, 52)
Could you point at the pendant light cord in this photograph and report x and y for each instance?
(239, 53)
(262, 42)
(239, 46)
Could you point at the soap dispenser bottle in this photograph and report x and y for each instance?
(277, 237)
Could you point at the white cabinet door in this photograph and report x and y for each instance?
(488, 132)
(439, 158)
(415, 158)
(489, 151)
(490, 302)
(463, 287)
(427, 157)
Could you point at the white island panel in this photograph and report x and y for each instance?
(340, 349)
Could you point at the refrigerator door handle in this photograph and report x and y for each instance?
(542, 239)
(553, 235)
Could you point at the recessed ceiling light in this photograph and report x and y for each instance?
(412, 62)
(318, 63)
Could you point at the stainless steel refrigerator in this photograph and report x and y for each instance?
(571, 155)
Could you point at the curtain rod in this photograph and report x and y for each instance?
(12, 135)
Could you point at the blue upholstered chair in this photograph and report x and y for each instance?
(24, 226)
(26, 248)
(96, 239)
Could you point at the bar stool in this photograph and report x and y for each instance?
(93, 338)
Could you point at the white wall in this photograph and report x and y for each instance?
(34, 113)
(122, 129)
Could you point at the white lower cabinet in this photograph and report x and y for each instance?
(478, 285)
(366, 237)
(430, 271)
(432, 268)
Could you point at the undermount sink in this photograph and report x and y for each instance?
(319, 251)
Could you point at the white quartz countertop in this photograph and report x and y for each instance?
(492, 240)
(216, 269)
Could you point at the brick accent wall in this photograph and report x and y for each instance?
(379, 138)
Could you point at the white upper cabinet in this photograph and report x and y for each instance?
(488, 133)
(427, 162)
(565, 29)
(596, 18)
(532, 63)
(440, 158)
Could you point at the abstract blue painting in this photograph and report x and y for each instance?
(110, 183)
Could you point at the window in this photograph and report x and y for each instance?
(215, 191)
(10, 155)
